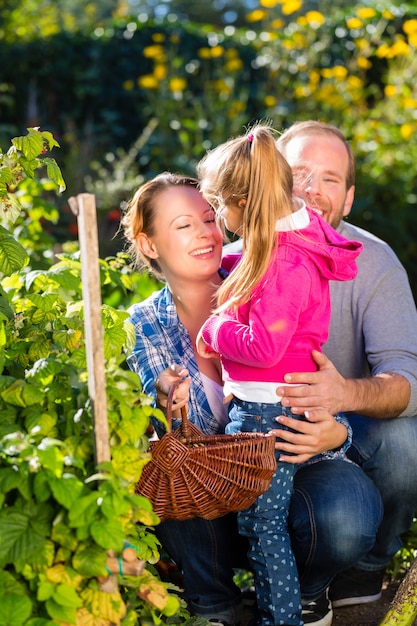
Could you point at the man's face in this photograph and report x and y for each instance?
(319, 164)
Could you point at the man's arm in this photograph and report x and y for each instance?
(382, 396)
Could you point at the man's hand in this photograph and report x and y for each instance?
(320, 433)
(324, 389)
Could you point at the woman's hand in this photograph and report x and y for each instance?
(321, 432)
(174, 374)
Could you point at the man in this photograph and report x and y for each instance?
(369, 365)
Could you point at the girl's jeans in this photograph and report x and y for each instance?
(265, 524)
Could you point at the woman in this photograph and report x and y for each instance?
(172, 230)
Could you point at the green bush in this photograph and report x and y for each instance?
(59, 513)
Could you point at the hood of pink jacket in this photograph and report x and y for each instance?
(333, 254)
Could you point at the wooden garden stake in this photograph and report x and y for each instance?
(84, 207)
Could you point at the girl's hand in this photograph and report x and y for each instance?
(204, 349)
(172, 375)
(321, 432)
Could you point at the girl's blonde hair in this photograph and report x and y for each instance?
(248, 168)
(140, 215)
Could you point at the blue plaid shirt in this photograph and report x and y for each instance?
(161, 340)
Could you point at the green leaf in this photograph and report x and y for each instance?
(15, 609)
(45, 590)
(51, 457)
(9, 479)
(12, 526)
(44, 370)
(66, 490)
(90, 561)
(53, 171)
(13, 256)
(22, 394)
(109, 534)
(31, 145)
(67, 596)
(58, 612)
(10, 207)
(84, 510)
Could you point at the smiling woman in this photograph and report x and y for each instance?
(172, 230)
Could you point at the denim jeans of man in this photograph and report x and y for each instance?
(386, 449)
(206, 551)
(333, 521)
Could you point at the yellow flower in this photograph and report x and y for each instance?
(256, 16)
(234, 65)
(302, 91)
(277, 24)
(232, 53)
(410, 103)
(148, 82)
(177, 84)
(204, 53)
(291, 6)
(314, 18)
(410, 27)
(222, 87)
(269, 4)
(400, 48)
(327, 72)
(406, 131)
(270, 101)
(383, 51)
(364, 63)
(366, 13)
(354, 82)
(340, 72)
(412, 40)
(153, 52)
(158, 37)
(128, 85)
(217, 51)
(314, 77)
(354, 23)
(390, 91)
(160, 71)
(387, 15)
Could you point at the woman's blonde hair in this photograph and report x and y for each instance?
(140, 215)
(248, 168)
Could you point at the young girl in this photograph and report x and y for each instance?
(272, 311)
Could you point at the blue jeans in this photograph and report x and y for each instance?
(334, 517)
(386, 449)
(206, 551)
(265, 524)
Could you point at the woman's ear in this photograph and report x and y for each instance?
(242, 203)
(146, 246)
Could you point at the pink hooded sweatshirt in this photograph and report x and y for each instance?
(288, 314)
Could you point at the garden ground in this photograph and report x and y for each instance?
(369, 614)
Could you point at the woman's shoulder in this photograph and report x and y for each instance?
(141, 310)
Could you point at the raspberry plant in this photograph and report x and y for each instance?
(59, 514)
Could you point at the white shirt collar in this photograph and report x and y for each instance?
(295, 221)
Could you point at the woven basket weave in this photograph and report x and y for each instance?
(192, 474)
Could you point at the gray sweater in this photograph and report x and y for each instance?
(374, 319)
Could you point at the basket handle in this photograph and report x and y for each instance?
(185, 423)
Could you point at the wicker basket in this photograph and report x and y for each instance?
(192, 474)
